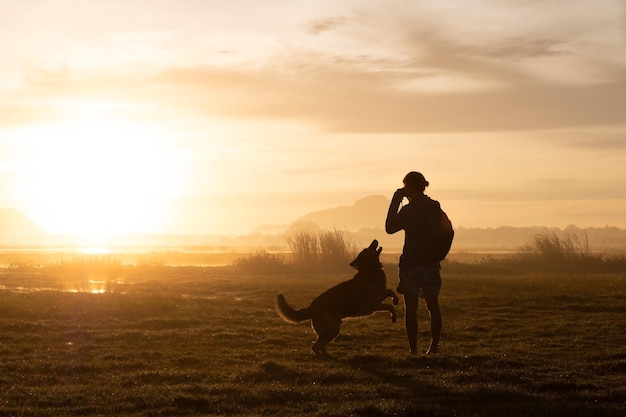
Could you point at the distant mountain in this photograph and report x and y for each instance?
(368, 212)
(15, 224)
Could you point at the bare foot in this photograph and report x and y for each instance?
(432, 351)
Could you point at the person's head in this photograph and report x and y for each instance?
(414, 183)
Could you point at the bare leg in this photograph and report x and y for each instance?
(410, 321)
(432, 304)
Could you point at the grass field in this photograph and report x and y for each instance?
(180, 341)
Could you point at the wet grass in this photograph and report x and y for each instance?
(190, 341)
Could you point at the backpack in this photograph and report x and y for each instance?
(437, 232)
(442, 233)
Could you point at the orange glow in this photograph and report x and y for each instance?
(97, 175)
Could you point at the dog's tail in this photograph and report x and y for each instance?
(290, 314)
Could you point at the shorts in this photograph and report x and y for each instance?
(423, 281)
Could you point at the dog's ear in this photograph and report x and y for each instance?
(379, 250)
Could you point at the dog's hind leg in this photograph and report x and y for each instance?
(391, 309)
(394, 297)
(327, 329)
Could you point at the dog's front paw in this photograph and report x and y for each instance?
(394, 316)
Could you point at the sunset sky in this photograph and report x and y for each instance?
(206, 116)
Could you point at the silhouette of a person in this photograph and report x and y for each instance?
(419, 276)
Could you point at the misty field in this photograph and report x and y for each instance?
(178, 341)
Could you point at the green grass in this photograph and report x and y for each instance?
(190, 341)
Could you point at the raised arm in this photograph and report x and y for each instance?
(393, 223)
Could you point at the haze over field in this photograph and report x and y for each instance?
(196, 117)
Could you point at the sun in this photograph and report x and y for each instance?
(97, 175)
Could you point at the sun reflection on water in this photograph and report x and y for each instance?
(97, 287)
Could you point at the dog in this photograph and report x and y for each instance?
(360, 296)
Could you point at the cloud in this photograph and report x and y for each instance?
(596, 142)
(365, 102)
(416, 69)
(544, 189)
(519, 48)
(513, 83)
(344, 100)
(318, 26)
